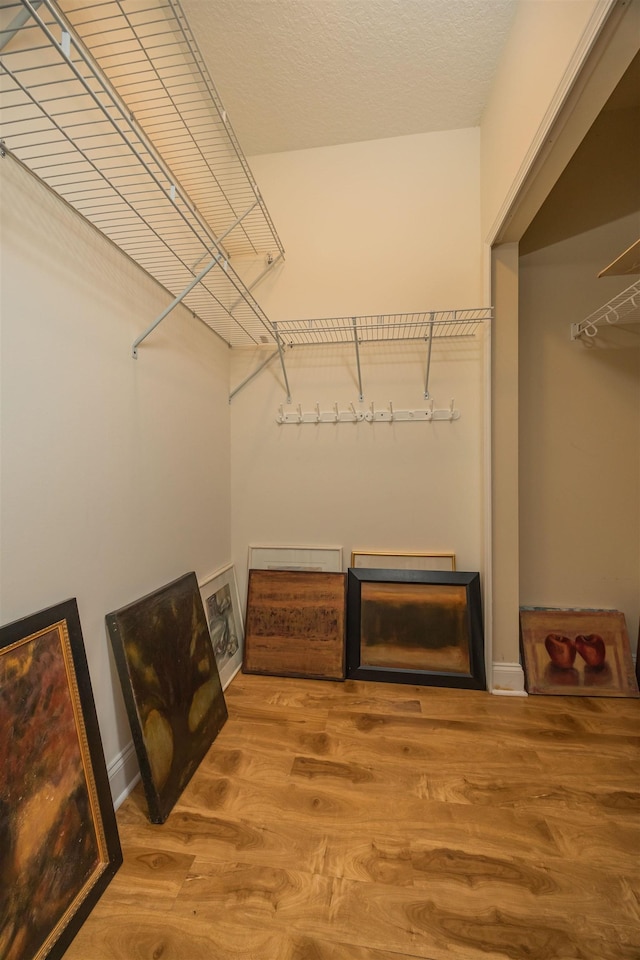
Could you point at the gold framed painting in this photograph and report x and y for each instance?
(576, 652)
(60, 845)
(398, 560)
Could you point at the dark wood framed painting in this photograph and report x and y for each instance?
(171, 687)
(295, 624)
(576, 652)
(415, 626)
(59, 845)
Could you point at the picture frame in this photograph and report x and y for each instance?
(399, 560)
(414, 626)
(305, 558)
(221, 603)
(59, 833)
(171, 687)
(572, 651)
(295, 624)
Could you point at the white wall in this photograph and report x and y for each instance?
(384, 226)
(114, 472)
(541, 56)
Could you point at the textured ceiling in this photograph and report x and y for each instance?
(294, 74)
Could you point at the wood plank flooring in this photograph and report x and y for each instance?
(362, 821)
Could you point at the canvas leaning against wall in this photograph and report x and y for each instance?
(296, 624)
(59, 846)
(171, 687)
(576, 652)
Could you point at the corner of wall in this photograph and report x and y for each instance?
(508, 680)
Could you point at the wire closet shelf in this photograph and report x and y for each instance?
(426, 325)
(112, 107)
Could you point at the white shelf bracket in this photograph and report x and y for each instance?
(429, 345)
(194, 283)
(282, 363)
(355, 340)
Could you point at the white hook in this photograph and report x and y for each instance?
(451, 409)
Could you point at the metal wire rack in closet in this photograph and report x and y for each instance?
(106, 129)
(113, 107)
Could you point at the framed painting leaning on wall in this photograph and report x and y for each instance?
(414, 626)
(60, 845)
(222, 609)
(397, 560)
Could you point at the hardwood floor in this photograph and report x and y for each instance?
(361, 821)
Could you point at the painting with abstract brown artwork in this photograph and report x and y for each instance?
(295, 624)
(576, 652)
(414, 626)
(59, 845)
(171, 687)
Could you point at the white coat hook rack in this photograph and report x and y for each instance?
(373, 414)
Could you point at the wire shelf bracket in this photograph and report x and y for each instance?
(624, 308)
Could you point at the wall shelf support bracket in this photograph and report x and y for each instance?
(174, 303)
(429, 345)
(282, 363)
(243, 383)
(357, 346)
(187, 290)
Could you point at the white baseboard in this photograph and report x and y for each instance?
(508, 680)
(123, 774)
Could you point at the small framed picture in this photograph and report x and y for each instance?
(222, 609)
(413, 626)
(60, 845)
(394, 560)
(576, 652)
(311, 559)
